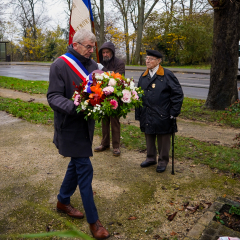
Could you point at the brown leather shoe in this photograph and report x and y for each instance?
(101, 148)
(69, 210)
(116, 152)
(98, 231)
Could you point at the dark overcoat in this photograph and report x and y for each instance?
(163, 97)
(73, 135)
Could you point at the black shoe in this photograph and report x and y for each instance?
(160, 169)
(147, 164)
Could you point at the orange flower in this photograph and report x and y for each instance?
(97, 90)
(115, 75)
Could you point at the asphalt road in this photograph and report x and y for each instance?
(195, 85)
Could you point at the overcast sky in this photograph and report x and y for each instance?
(56, 13)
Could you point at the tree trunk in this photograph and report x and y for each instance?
(127, 46)
(223, 78)
(123, 7)
(141, 7)
(191, 7)
(101, 22)
(141, 20)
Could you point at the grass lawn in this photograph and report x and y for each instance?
(192, 109)
(223, 158)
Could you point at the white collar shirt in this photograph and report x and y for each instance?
(153, 71)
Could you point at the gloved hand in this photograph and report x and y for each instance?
(100, 66)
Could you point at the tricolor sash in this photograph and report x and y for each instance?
(75, 65)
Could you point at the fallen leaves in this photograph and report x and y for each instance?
(31, 100)
(193, 209)
(171, 217)
(185, 206)
(173, 233)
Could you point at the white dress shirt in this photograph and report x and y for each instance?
(153, 71)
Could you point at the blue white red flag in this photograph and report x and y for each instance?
(81, 17)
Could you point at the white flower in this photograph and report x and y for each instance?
(132, 86)
(89, 114)
(112, 82)
(128, 79)
(98, 76)
(105, 75)
(84, 106)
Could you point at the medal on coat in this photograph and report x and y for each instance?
(153, 85)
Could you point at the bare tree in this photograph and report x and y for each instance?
(141, 19)
(2, 24)
(99, 20)
(124, 6)
(27, 17)
(223, 78)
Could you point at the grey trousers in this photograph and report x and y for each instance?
(164, 143)
(115, 127)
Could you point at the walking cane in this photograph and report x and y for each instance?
(173, 134)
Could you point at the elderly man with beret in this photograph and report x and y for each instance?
(162, 101)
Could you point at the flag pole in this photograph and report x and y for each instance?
(69, 27)
(93, 29)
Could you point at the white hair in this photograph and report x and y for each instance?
(84, 34)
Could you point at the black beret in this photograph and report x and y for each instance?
(154, 53)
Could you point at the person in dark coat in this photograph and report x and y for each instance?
(111, 63)
(73, 135)
(162, 101)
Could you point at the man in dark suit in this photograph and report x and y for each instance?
(73, 135)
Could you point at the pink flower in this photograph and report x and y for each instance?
(108, 90)
(126, 96)
(114, 104)
(76, 99)
(135, 95)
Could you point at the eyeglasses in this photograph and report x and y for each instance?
(150, 59)
(88, 47)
